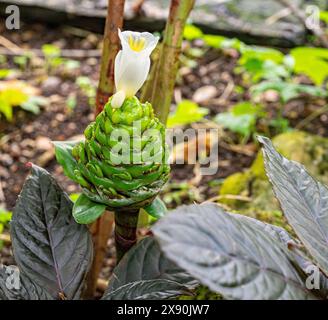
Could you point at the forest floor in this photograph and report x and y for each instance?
(28, 137)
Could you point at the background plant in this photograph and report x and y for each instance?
(18, 93)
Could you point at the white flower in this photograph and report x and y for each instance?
(132, 64)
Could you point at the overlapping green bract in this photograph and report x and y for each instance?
(123, 160)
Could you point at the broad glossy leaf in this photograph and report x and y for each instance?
(303, 200)
(156, 209)
(49, 246)
(63, 150)
(86, 211)
(20, 287)
(229, 254)
(293, 246)
(144, 272)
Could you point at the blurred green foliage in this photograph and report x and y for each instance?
(5, 217)
(74, 196)
(287, 90)
(12, 95)
(312, 62)
(263, 69)
(268, 63)
(186, 112)
(241, 118)
(324, 16)
(88, 88)
(53, 58)
(4, 73)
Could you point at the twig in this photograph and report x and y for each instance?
(137, 7)
(302, 18)
(14, 48)
(277, 16)
(236, 148)
(311, 117)
(111, 46)
(103, 226)
(65, 53)
(226, 93)
(9, 44)
(229, 197)
(162, 84)
(2, 195)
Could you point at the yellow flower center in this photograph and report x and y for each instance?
(136, 44)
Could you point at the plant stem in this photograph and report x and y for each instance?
(125, 231)
(162, 86)
(101, 231)
(111, 46)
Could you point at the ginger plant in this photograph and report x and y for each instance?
(122, 163)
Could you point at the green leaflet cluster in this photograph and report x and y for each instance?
(123, 161)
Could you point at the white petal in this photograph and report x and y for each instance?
(150, 41)
(134, 74)
(124, 37)
(118, 99)
(132, 63)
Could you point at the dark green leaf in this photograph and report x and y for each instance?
(86, 211)
(14, 286)
(303, 200)
(145, 272)
(229, 254)
(49, 246)
(64, 157)
(156, 209)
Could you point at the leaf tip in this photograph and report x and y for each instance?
(263, 140)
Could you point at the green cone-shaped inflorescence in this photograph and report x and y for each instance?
(123, 160)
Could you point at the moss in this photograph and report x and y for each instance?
(257, 168)
(202, 293)
(236, 184)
